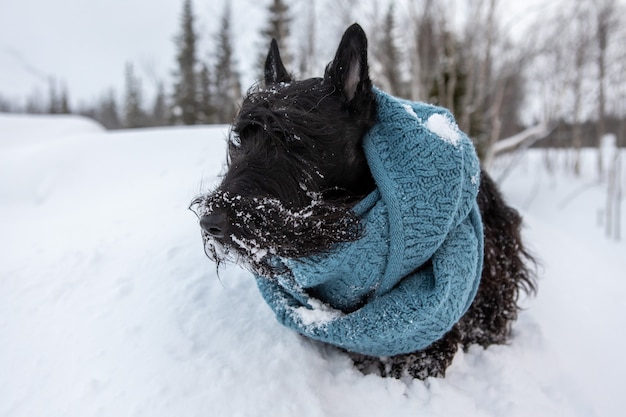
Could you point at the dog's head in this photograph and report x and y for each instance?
(295, 163)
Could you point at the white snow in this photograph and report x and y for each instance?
(109, 307)
(410, 111)
(20, 131)
(251, 247)
(443, 127)
(318, 315)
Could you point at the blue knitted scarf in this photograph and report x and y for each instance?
(416, 269)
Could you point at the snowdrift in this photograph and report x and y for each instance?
(19, 131)
(108, 306)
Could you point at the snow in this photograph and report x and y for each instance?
(109, 307)
(409, 109)
(444, 127)
(318, 315)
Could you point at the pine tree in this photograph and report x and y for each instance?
(53, 103)
(306, 57)
(58, 103)
(133, 114)
(227, 85)
(206, 108)
(64, 104)
(389, 54)
(159, 109)
(5, 105)
(108, 113)
(185, 86)
(277, 28)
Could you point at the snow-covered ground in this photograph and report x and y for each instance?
(108, 306)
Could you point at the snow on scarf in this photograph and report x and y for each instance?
(416, 269)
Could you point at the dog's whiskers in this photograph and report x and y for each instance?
(286, 232)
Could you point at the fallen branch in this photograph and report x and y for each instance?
(525, 138)
(517, 143)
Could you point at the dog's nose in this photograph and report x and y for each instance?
(215, 224)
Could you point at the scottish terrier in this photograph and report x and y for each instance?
(295, 170)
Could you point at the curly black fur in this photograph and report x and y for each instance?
(296, 166)
(260, 229)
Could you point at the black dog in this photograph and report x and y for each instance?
(295, 169)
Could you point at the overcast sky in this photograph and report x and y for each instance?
(86, 43)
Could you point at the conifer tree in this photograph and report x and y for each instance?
(185, 86)
(53, 103)
(277, 28)
(58, 102)
(5, 105)
(108, 113)
(206, 102)
(390, 55)
(227, 85)
(133, 114)
(64, 103)
(306, 56)
(159, 109)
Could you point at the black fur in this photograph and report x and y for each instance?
(296, 167)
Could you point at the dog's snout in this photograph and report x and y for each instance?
(215, 224)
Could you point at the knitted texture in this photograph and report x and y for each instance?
(416, 269)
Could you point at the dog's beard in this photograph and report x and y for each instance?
(262, 231)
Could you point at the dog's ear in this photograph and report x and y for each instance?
(275, 71)
(349, 71)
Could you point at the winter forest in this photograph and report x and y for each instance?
(559, 67)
